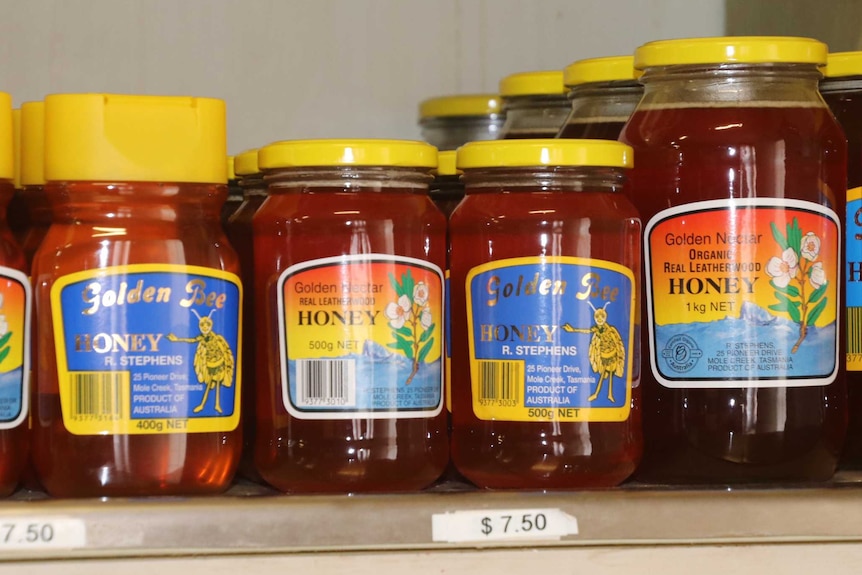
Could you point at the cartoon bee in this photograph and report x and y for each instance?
(607, 353)
(213, 361)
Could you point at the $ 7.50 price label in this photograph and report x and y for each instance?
(501, 525)
(31, 533)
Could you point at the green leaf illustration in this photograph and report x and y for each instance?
(779, 238)
(405, 331)
(793, 310)
(409, 283)
(779, 307)
(815, 313)
(427, 333)
(784, 299)
(4, 352)
(395, 285)
(794, 236)
(792, 290)
(818, 293)
(426, 349)
(784, 290)
(5, 339)
(405, 346)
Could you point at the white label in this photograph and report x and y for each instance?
(44, 533)
(501, 525)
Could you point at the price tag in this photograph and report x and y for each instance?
(502, 524)
(43, 532)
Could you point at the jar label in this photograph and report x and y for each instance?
(148, 348)
(853, 280)
(15, 309)
(361, 336)
(551, 338)
(447, 343)
(743, 293)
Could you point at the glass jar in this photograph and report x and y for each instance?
(349, 258)
(842, 90)
(235, 195)
(15, 322)
(604, 92)
(446, 190)
(241, 235)
(16, 210)
(33, 178)
(545, 267)
(535, 105)
(741, 178)
(448, 122)
(138, 297)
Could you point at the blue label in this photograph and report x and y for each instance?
(148, 349)
(853, 279)
(551, 338)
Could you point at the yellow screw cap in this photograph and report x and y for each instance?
(108, 137)
(465, 105)
(16, 148)
(607, 69)
(231, 172)
(310, 153)
(446, 164)
(842, 64)
(245, 163)
(544, 152)
(33, 144)
(731, 50)
(546, 83)
(7, 138)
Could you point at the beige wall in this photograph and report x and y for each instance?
(318, 68)
(836, 22)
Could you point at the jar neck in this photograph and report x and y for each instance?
(138, 201)
(733, 85)
(252, 185)
(844, 84)
(544, 179)
(348, 179)
(535, 116)
(604, 101)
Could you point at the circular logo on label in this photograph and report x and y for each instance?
(681, 353)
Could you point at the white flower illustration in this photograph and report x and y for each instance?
(425, 319)
(420, 293)
(4, 325)
(398, 312)
(817, 276)
(810, 247)
(782, 269)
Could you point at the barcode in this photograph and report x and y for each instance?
(326, 382)
(97, 394)
(499, 380)
(854, 330)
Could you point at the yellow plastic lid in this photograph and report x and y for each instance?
(446, 163)
(464, 105)
(544, 152)
(731, 49)
(7, 138)
(16, 147)
(606, 69)
(33, 144)
(231, 172)
(109, 137)
(312, 153)
(543, 83)
(245, 163)
(841, 64)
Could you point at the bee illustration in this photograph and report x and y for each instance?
(607, 353)
(213, 363)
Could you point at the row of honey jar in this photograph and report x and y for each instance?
(670, 306)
